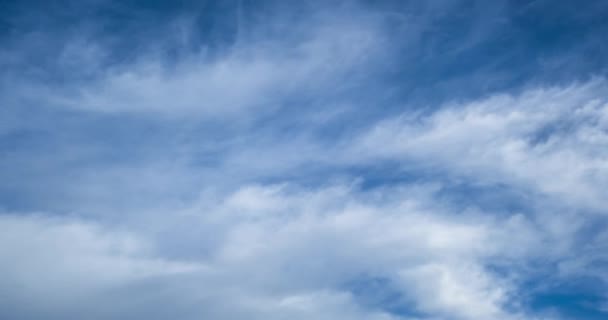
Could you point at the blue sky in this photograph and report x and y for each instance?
(389, 160)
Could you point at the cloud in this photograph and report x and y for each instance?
(292, 250)
(259, 74)
(288, 252)
(53, 261)
(271, 161)
(549, 140)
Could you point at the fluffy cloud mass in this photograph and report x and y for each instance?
(257, 160)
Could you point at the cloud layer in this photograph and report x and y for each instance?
(241, 160)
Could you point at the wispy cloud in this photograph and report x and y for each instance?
(547, 139)
(249, 160)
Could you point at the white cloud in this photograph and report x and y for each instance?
(251, 249)
(248, 77)
(279, 251)
(456, 291)
(551, 140)
(290, 242)
(282, 250)
(47, 263)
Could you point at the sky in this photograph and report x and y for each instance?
(339, 160)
